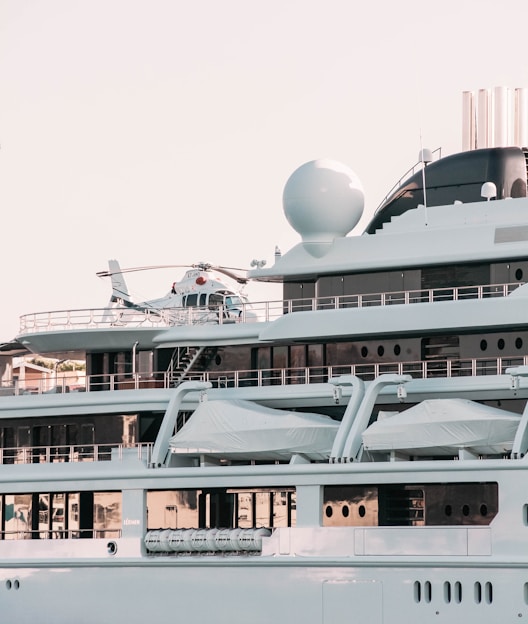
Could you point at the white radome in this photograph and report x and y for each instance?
(322, 200)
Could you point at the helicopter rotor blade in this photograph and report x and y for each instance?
(203, 266)
(233, 276)
(145, 268)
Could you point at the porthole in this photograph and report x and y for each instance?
(447, 592)
(525, 514)
(16, 583)
(483, 510)
(448, 510)
(465, 510)
(417, 591)
(428, 591)
(458, 592)
(397, 349)
(478, 592)
(362, 511)
(8, 584)
(483, 345)
(518, 343)
(329, 511)
(518, 275)
(218, 360)
(111, 548)
(345, 511)
(488, 592)
(364, 352)
(381, 350)
(500, 343)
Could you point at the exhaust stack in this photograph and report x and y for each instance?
(494, 118)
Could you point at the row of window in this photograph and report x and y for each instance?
(249, 357)
(424, 278)
(452, 592)
(425, 504)
(99, 514)
(221, 507)
(60, 515)
(501, 344)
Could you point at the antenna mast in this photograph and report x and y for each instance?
(425, 158)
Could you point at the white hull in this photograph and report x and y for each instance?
(240, 592)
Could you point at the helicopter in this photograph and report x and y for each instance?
(199, 297)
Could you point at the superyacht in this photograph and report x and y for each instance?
(353, 452)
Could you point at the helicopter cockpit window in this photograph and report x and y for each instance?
(215, 300)
(203, 298)
(190, 300)
(230, 301)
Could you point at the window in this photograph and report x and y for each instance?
(221, 508)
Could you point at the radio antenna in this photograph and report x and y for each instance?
(426, 157)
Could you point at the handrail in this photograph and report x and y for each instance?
(263, 311)
(72, 453)
(411, 171)
(419, 369)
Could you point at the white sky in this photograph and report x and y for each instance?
(163, 131)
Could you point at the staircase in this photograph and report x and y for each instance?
(183, 360)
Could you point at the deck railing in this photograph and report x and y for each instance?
(470, 367)
(74, 453)
(419, 369)
(107, 318)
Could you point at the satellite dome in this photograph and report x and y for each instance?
(322, 200)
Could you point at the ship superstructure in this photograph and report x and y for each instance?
(354, 451)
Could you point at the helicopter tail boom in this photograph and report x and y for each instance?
(120, 292)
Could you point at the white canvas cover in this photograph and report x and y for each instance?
(442, 427)
(244, 430)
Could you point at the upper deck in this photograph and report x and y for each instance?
(81, 324)
(266, 311)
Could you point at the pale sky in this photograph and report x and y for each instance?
(163, 131)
